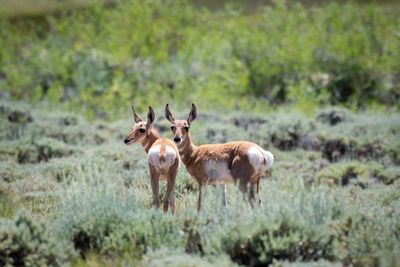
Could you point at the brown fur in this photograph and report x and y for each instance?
(235, 154)
(148, 139)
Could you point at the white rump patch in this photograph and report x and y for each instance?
(218, 171)
(260, 159)
(154, 158)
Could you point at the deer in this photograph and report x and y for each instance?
(241, 162)
(162, 157)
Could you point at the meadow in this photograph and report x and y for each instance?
(331, 197)
(317, 86)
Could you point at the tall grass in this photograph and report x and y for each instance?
(92, 193)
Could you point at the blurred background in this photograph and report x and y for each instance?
(98, 57)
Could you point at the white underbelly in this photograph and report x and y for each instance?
(217, 172)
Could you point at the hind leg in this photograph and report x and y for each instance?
(243, 186)
(154, 176)
(169, 197)
(242, 171)
(168, 194)
(223, 189)
(258, 192)
(251, 193)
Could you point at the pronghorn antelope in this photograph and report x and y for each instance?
(163, 157)
(241, 161)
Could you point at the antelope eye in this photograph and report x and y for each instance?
(187, 128)
(172, 127)
(142, 130)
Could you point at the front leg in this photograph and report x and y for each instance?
(199, 198)
(154, 179)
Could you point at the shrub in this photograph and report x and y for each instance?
(293, 224)
(319, 263)
(386, 175)
(109, 223)
(286, 240)
(353, 172)
(372, 240)
(165, 257)
(25, 242)
(333, 116)
(10, 172)
(62, 170)
(288, 132)
(19, 117)
(344, 173)
(36, 150)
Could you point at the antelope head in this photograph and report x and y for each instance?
(180, 128)
(140, 129)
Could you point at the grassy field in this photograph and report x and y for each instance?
(332, 196)
(316, 85)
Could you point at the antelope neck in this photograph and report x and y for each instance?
(186, 149)
(150, 139)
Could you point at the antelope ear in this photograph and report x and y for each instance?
(168, 114)
(192, 115)
(150, 118)
(136, 117)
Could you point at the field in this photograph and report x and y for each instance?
(317, 86)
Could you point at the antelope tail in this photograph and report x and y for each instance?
(162, 154)
(268, 158)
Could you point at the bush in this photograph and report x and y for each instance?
(62, 170)
(386, 175)
(10, 172)
(25, 242)
(160, 258)
(357, 173)
(288, 132)
(333, 116)
(286, 240)
(108, 223)
(345, 173)
(320, 263)
(34, 151)
(372, 241)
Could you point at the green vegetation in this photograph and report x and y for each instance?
(97, 199)
(96, 58)
(25, 242)
(317, 86)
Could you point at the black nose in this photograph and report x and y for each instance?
(126, 140)
(177, 139)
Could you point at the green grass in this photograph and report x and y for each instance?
(7, 206)
(96, 58)
(97, 199)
